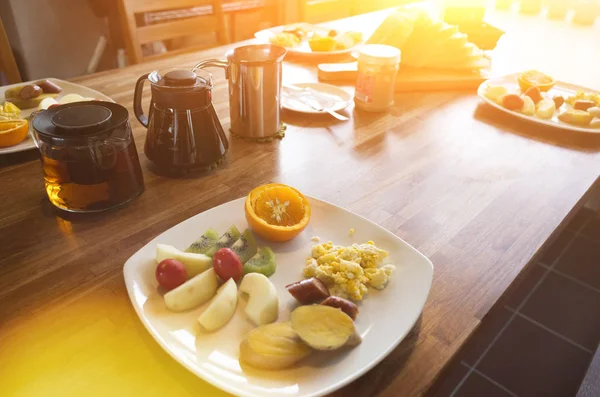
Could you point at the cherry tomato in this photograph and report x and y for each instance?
(170, 273)
(227, 264)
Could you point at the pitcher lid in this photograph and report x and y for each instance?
(79, 121)
(180, 79)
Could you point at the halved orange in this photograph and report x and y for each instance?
(532, 78)
(13, 132)
(277, 212)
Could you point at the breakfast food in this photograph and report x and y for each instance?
(349, 271)
(583, 104)
(343, 304)
(528, 107)
(535, 78)
(594, 111)
(273, 346)
(194, 263)
(577, 117)
(262, 262)
(263, 303)
(13, 132)
(221, 307)
(205, 243)
(324, 327)
(545, 108)
(308, 291)
(427, 43)
(277, 212)
(245, 247)
(8, 111)
(319, 39)
(30, 95)
(227, 264)
(193, 292)
(513, 101)
(170, 273)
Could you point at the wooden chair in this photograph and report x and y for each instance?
(269, 11)
(8, 65)
(131, 10)
(315, 11)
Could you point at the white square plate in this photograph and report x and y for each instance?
(68, 88)
(384, 320)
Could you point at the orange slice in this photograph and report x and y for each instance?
(532, 78)
(277, 212)
(13, 132)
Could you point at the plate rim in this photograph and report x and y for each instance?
(342, 105)
(226, 386)
(29, 143)
(533, 119)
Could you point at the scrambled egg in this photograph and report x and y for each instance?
(348, 271)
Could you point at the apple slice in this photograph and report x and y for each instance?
(263, 304)
(193, 292)
(221, 308)
(194, 263)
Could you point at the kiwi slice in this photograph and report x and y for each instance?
(263, 262)
(245, 246)
(205, 243)
(225, 241)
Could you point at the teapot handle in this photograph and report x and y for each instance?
(137, 101)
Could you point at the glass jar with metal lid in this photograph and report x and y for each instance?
(375, 83)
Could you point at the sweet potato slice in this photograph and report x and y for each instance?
(324, 327)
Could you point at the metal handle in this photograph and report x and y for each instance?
(215, 63)
(137, 101)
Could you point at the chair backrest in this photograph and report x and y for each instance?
(315, 11)
(8, 65)
(130, 11)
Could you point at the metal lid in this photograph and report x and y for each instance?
(380, 54)
(80, 121)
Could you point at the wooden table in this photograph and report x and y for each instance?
(477, 192)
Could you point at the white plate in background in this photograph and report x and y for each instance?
(326, 95)
(68, 88)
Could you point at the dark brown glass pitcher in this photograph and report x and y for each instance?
(184, 132)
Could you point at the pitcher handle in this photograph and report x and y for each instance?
(137, 101)
(215, 63)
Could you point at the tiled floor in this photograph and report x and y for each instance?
(541, 338)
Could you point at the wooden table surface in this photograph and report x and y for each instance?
(476, 191)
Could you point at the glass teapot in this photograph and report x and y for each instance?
(184, 132)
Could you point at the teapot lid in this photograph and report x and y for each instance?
(180, 79)
(79, 121)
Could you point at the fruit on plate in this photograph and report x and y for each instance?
(545, 108)
(193, 292)
(273, 346)
(512, 101)
(576, 117)
(170, 273)
(534, 93)
(528, 108)
(285, 39)
(227, 264)
(245, 247)
(205, 243)
(194, 263)
(322, 44)
(532, 78)
(13, 132)
(226, 240)
(30, 95)
(221, 308)
(277, 212)
(595, 111)
(262, 262)
(311, 290)
(263, 303)
(324, 327)
(495, 92)
(583, 104)
(559, 100)
(9, 111)
(427, 43)
(343, 304)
